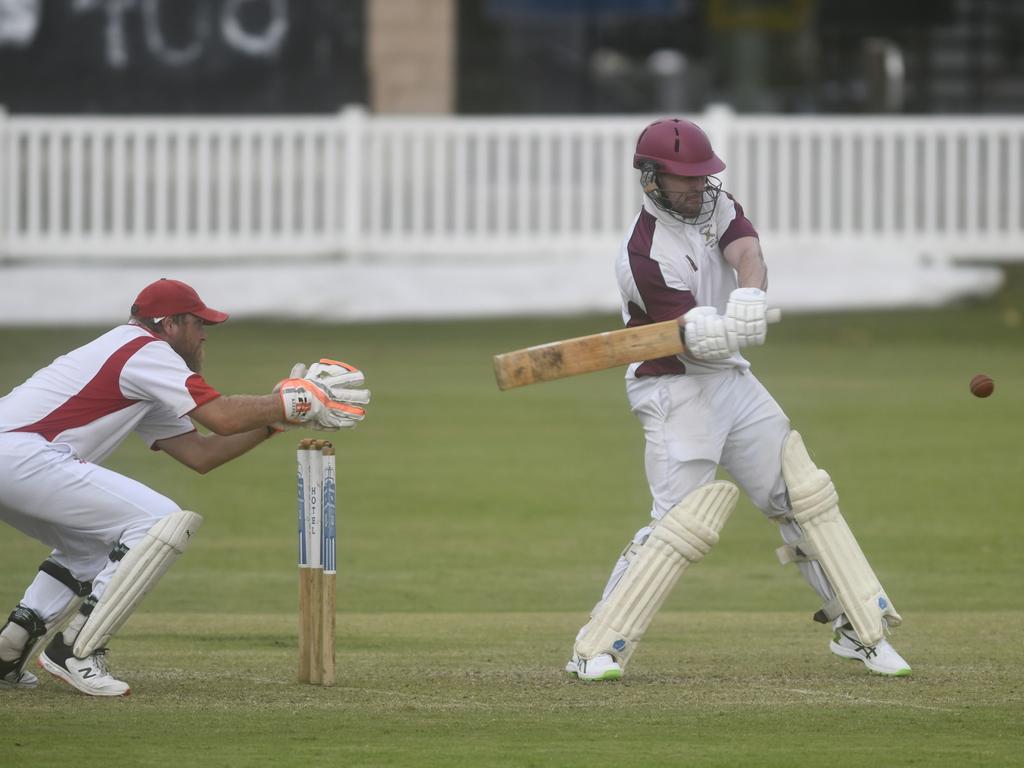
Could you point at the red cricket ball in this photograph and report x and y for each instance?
(982, 385)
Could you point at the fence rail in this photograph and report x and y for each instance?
(138, 187)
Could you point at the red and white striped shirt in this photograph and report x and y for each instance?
(93, 397)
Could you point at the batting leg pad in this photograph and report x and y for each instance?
(681, 537)
(139, 571)
(829, 540)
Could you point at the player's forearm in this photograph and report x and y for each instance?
(205, 452)
(237, 414)
(220, 449)
(745, 256)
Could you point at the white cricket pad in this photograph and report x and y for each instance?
(139, 571)
(829, 540)
(683, 536)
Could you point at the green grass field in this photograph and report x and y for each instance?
(477, 529)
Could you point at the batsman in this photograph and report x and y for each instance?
(112, 538)
(692, 253)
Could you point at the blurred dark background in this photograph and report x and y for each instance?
(174, 56)
(912, 56)
(512, 56)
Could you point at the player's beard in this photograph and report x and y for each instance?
(194, 361)
(686, 204)
(193, 357)
(690, 204)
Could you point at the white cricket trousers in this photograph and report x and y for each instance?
(79, 509)
(694, 424)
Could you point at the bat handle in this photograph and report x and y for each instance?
(771, 315)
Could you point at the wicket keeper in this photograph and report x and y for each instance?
(112, 538)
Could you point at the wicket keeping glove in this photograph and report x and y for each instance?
(745, 314)
(707, 335)
(342, 382)
(297, 372)
(306, 402)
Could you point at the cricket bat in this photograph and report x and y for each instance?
(596, 352)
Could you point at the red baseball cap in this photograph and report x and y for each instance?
(173, 297)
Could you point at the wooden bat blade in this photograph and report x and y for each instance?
(586, 354)
(597, 352)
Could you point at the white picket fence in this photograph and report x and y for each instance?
(236, 187)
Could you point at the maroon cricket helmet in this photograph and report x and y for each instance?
(678, 147)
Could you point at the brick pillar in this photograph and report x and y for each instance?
(411, 56)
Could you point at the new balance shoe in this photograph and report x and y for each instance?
(12, 679)
(881, 658)
(601, 667)
(89, 675)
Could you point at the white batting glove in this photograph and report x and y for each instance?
(745, 314)
(707, 335)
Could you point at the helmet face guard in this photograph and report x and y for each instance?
(708, 199)
(680, 148)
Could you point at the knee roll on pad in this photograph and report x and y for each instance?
(683, 536)
(829, 540)
(140, 569)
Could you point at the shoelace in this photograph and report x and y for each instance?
(100, 660)
(867, 650)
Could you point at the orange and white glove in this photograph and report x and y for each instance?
(329, 396)
(297, 372)
(342, 382)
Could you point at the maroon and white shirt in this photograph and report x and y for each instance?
(92, 398)
(666, 268)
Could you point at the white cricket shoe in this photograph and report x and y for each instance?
(89, 675)
(23, 680)
(881, 658)
(601, 667)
